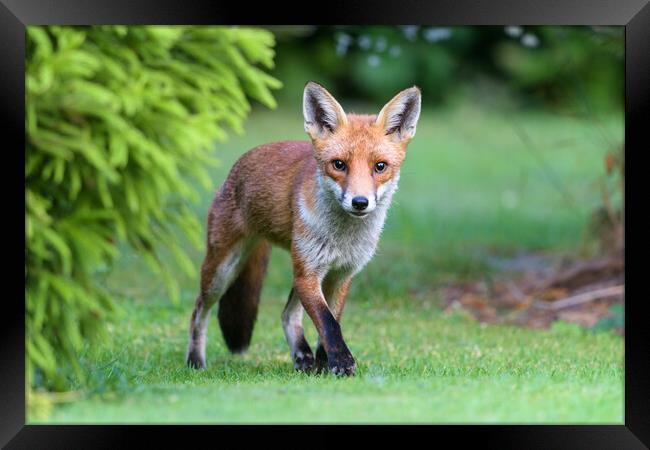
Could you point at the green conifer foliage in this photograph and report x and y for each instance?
(121, 123)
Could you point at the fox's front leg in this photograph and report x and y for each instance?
(303, 358)
(335, 290)
(339, 358)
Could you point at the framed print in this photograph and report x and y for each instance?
(372, 215)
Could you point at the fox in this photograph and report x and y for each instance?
(325, 201)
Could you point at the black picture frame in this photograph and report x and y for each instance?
(15, 15)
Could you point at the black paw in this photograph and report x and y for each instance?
(195, 361)
(303, 362)
(321, 359)
(342, 364)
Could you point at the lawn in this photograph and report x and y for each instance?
(475, 186)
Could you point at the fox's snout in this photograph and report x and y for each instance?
(354, 202)
(359, 205)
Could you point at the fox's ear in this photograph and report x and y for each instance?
(400, 115)
(322, 113)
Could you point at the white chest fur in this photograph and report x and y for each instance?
(335, 239)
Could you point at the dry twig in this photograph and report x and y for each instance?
(584, 297)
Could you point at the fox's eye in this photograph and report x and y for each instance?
(338, 164)
(380, 166)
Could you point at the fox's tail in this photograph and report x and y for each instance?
(238, 305)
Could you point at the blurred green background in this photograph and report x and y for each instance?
(509, 160)
(567, 69)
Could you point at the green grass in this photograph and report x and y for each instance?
(469, 189)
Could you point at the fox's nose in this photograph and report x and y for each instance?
(359, 203)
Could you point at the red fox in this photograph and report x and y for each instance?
(325, 201)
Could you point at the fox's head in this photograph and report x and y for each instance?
(359, 156)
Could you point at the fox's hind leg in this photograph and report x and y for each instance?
(221, 266)
(303, 358)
